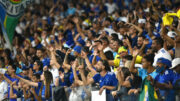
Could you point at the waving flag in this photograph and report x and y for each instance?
(10, 12)
(148, 93)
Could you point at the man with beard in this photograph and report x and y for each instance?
(140, 42)
(107, 80)
(157, 46)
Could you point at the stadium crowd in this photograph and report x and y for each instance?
(117, 46)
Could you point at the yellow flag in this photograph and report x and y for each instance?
(178, 13)
(167, 20)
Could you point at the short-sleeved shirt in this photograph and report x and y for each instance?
(143, 73)
(108, 80)
(166, 77)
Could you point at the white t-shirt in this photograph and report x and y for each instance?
(55, 74)
(3, 89)
(161, 53)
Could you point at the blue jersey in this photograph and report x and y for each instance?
(14, 91)
(37, 89)
(176, 77)
(166, 77)
(108, 80)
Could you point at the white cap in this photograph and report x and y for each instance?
(142, 21)
(172, 34)
(175, 62)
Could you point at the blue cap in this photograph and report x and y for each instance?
(81, 41)
(164, 61)
(77, 49)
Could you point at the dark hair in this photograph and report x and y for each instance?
(37, 75)
(98, 41)
(149, 58)
(114, 35)
(86, 49)
(106, 64)
(128, 57)
(93, 33)
(49, 78)
(105, 39)
(71, 22)
(120, 43)
(8, 52)
(136, 82)
(41, 49)
(142, 36)
(159, 41)
(13, 67)
(40, 64)
(126, 72)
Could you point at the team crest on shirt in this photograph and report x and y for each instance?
(15, 7)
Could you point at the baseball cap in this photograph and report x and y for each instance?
(77, 49)
(172, 34)
(122, 49)
(175, 62)
(164, 61)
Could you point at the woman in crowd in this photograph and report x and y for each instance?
(40, 89)
(126, 81)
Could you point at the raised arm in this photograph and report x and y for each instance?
(53, 58)
(121, 80)
(30, 83)
(165, 37)
(132, 68)
(94, 58)
(129, 45)
(140, 30)
(145, 42)
(80, 31)
(86, 81)
(65, 63)
(102, 55)
(89, 66)
(76, 79)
